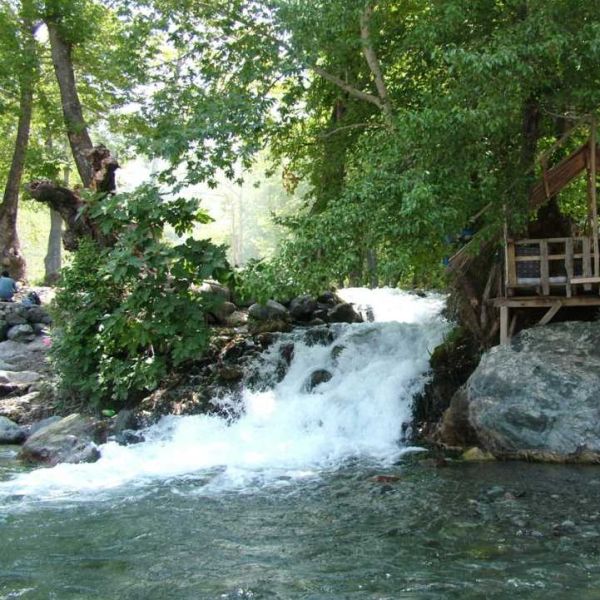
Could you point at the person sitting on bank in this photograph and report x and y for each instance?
(8, 287)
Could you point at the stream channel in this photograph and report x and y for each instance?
(286, 498)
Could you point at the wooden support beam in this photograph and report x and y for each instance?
(504, 337)
(550, 314)
(544, 268)
(569, 265)
(545, 301)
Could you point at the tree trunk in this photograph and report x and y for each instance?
(77, 132)
(12, 259)
(53, 259)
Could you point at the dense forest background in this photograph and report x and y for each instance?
(342, 141)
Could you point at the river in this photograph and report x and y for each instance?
(286, 499)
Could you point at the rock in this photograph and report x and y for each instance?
(4, 327)
(125, 419)
(316, 322)
(230, 373)
(328, 299)
(19, 377)
(72, 440)
(269, 326)
(237, 318)
(268, 312)
(25, 409)
(39, 425)
(344, 313)
(10, 432)
(21, 333)
(286, 351)
(317, 378)
(36, 314)
(319, 336)
(477, 455)
(302, 308)
(16, 316)
(223, 310)
(537, 397)
(455, 428)
(215, 288)
(336, 352)
(127, 437)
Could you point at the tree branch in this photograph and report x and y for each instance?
(348, 88)
(373, 61)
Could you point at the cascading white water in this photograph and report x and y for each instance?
(287, 431)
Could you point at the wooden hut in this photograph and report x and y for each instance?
(558, 271)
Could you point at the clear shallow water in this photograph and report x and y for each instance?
(281, 502)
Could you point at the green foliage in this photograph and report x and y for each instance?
(129, 314)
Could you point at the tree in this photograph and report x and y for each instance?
(17, 40)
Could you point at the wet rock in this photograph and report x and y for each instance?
(268, 312)
(21, 333)
(317, 378)
(230, 373)
(10, 432)
(477, 455)
(128, 437)
(328, 299)
(319, 336)
(302, 308)
(316, 322)
(286, 351)
(125, 419)
(344, 313)
(269, 326)
(39, 425)
(336, 352)
(72, 440)
(537, 397)
(455, 428)
(385, 478)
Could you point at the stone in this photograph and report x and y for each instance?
(317, 378)
(223, 310)
(124, 419)
(19, 377)
(10, 432)
(237, 318)
(329, 299)
(455, 428)
(39, 425)
(36, 314)
(319, 336)
(230, 373)
(344, 313)
(267, 312)
(21, 333)
(71, 440)
(4, 327)
(537, 397)
(16, 316)
(26, 408)
(127, 437)
(302, 308)
(269, 326)
(286, 351)
(477, 455)
(215, 288)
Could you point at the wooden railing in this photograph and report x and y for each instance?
(544, 264)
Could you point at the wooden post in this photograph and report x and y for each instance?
(569, 265)
(544, 268)
(504, 337)
(593, 198)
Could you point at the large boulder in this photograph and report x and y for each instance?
(71, 440)
(343, 313)
(302, 308)
(268, 312)
(538, 397)
(10, 432)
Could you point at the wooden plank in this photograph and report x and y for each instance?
(550, 314)
(544, 268)
(569, 265)
(545, 301)
(592, 279)
(594, 199)
(504, 324)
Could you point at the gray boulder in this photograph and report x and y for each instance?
(268, 312)
(10, 432)
(343, 313)
(36, 314)
(21, 333)
(71, 440)
(302, 308)
(317, 378)
(39, 425)
(539, 396)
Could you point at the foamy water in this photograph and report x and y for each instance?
(287, 432)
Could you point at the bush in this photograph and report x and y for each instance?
(129, 314)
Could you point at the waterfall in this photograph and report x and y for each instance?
(356, 410)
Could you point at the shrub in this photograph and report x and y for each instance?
(130, 313)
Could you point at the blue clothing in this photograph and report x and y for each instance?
(8, 287)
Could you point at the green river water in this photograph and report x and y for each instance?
(499, 530)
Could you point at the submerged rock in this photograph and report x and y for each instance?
(72, 440)
(317, 378)
(537, 397)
